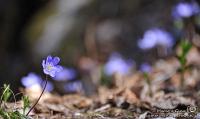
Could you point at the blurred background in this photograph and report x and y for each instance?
(93, 38)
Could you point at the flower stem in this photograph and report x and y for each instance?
(148, 81)
(182, 80)
(39, 96)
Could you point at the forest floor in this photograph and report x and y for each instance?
(131, 97)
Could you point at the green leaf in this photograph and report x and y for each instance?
(6, 93)
(186, 46)
(26, 103)
(4, 114)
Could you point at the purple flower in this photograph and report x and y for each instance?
(65, 74)
(155, 36)
(116, 64)
(148, 41)
(33, 79)
(50, 66)
(185, 10)
(145, 67)
(49, 86)
(73, 86)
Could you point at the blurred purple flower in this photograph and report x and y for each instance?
(145, 68)
(33, 79)
(155, 36)
(49, 86)
(73, 86)
(116, 64)
(185, 10)
(50, 66)
(65, 74)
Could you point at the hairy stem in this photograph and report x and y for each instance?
(39, 96)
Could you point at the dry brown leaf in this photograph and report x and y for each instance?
(170, 101)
